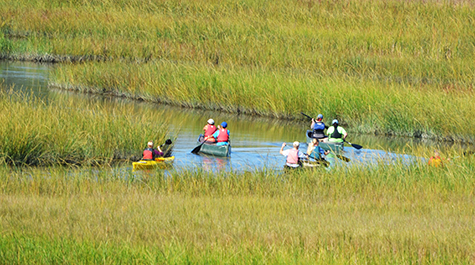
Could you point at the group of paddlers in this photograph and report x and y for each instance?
(334, 134)
(213, 134)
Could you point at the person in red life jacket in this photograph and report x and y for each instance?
(209, 129)
(436, 160)
(222, 134)
(149, 153)
(293, 155)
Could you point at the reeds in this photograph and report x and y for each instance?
(364, 106)
(61, 131)
(390, 67)
(389, 214)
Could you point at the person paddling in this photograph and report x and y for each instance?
(318, 127)
(209, 130)
(336, 133)
(222, 134)
(149, 153)
(436, 160)
(316, 151)
(293, 155)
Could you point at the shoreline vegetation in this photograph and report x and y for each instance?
(391, 214)
(382, 67)
(62, 132)
(385, 67)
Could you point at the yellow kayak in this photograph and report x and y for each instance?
(160, 162)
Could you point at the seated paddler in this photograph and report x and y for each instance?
(318, 127)
(209, 130)
(293, 155)
(149, 153)
(222, 134)
(315, 151)
(336, 133)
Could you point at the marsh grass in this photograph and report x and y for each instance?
(399, 39)
(364, 106)
(62, 131)
(390, 67)
(389, 214)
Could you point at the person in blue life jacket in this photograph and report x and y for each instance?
(149, 153)
(222, 134)
(315, 151)
(336, 133)
(318, 127)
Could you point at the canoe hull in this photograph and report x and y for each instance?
(335, 147)
(214, 150)
(161, 162)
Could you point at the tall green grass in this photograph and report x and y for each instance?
(409, 40)
(365, 106)
(387, 214)
(391, 67)
(62, 131)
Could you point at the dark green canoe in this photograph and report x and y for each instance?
(335, 147)
(214, 150)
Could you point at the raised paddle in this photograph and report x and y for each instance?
(356, 146)
(306, 115)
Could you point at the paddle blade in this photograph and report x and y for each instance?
(356, 146)
(197, 149)
(344, 158)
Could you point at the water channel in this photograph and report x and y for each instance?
(255, 140)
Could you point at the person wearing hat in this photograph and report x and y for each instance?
(336, 133)
(209, 129)
(149, 153)
(222, 134)
(293, 155)
(318, 127)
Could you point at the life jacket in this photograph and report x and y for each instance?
(316, 153)
(148, 154)
(336, 134)
(210, 129)
(293, 157)
(435, 161)
(223, 135)
(318, 130)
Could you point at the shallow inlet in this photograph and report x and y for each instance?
(255, 140)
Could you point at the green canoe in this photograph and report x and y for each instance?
(335, 147)
(214, 150)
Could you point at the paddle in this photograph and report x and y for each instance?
(356, 146)
(198, 148)
(305, 115)
(323, 161)
(344, 158)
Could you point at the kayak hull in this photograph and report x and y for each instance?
(310, 165)
(335, 147)
(161, 162)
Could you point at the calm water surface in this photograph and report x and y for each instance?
(255, 141)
